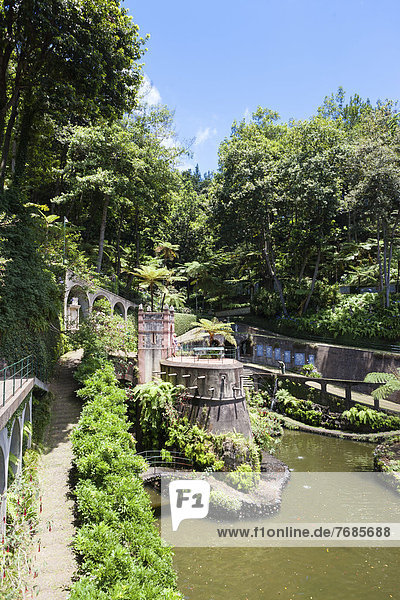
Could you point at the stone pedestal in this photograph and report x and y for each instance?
(73, 315)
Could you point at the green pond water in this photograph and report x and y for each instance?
(296, 573)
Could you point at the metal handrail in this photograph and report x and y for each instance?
(204, 353)
(13, 376)
(155, 459)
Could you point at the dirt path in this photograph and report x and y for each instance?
(55, 562)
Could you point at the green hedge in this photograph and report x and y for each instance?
(183, 322)
(122, 555)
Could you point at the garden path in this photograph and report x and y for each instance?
(55, 563)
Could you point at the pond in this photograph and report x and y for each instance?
(296, 573)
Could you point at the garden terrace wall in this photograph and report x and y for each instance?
(335, 362)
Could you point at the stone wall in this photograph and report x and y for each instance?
(336, 362)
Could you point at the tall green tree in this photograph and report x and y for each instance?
(65, 58)
(376, 161)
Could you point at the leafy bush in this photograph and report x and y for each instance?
(265, 427)
(362, 418)
(356, 316)
(103, 333)
(21, 526)
(122, 555)
(300, 410)
(196, 444)
(219, 499)
(266, 303)
(358, 418)
(243, 478)
(157, 412)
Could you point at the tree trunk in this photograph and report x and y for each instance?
(303, 267)
(152, 297)
(389, 262)
(118, 259)
(7, 141)
(102, 233)
(137, 238)
(270, 262)
(314, 279)
(379, 259)
(26, 123)
(385, 285)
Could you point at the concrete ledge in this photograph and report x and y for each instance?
(202, 363)
(373, 438)
(7, 411)
(13, 403)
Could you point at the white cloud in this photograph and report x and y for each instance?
(169, 142)
(203, 135)
(149, 93)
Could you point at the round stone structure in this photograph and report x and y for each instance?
(214, 396)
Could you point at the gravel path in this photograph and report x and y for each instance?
(55, 562)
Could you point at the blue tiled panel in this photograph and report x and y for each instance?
(299, 359)
(260, 350)
(311, 359)
(277, 353)
(287, 357)
(268, 350)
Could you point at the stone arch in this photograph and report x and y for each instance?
(246, 347)
(100, 296)
(15, 448)
(119, 309)
(3, 491)
(26, 418)
(77, 291)
(3, 473)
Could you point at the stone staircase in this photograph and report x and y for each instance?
(247, 379)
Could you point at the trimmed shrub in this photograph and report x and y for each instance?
(122, 555)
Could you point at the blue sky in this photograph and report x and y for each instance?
(216, 61)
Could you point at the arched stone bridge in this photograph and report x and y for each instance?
(76, 288)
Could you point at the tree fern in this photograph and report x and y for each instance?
(390, 381)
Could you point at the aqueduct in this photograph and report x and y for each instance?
(80, 297)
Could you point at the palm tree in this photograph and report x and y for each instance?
(213, 328)
(151, 277)
(390, 383)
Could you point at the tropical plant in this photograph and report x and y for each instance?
(212, 329)
(243, 478)
(390, 381)
(152, 277)
(156, 400)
